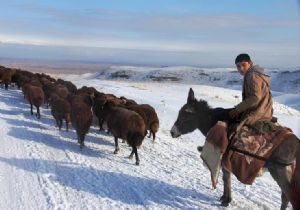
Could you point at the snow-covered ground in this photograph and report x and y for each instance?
(43, 168)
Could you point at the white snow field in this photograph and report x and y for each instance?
(44, 168)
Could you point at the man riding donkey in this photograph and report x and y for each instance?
(257, 99)
(245, 124)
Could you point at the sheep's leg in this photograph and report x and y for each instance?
(38, 115)
(67, 125)
(31, 109)
(81, 141)
(101, 124)
(60, 124)
(78, 138)
(116, 146)
(136, 156)
(149, 134)
(154, 136)
(131, 154)
(56, 120)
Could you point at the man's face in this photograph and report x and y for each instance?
(243, 67)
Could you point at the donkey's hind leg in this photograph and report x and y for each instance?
(282, 175)
(226, 197)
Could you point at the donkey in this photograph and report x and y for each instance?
(197, 114)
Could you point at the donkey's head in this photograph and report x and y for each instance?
(194, 114)
(188, 117)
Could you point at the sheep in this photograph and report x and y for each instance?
(45, 77)
(149, 115)
(28, 82)
(25, 78)
(127, 125)
(48, 90)
(35, 97)
(98, 107)
(17, 78)
(61, 90)
(60, 110)
(86, 90)
(85, 98)
(81, 117)
(98, 104)
(2, 69)
(127, 101)
(6, 77)
(70, 86)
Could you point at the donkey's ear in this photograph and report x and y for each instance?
(191, 96)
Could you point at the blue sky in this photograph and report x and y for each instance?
(169, 32)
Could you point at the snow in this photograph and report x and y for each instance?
(44, 168)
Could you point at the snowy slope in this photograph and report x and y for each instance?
(43, 168)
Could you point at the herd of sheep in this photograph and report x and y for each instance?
(125, 118)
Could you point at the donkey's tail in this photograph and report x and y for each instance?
(296, 181)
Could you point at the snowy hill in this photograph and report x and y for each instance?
(285, 84)
(43, 168)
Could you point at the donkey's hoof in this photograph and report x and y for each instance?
(225, 201)
(137, 163)
(116, 151)
(225, 204)
(199, 148)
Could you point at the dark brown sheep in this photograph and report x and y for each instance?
(48, 90)
(127, 125)
(81, 117)
(71, 87)
(17, 78)
(149, 115)
(7, 76)
(25, 89)
(86, 90)
(111, 96)
(85, 98)
(98, 104)
(28, 83)
(127, 101)
(35, 96)
(2, 69)
(36, 82)
(61, 90)
(60, 110)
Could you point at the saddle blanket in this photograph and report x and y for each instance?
(245, 154)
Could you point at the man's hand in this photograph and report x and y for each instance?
(233, 113)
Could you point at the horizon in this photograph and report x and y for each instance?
(173, 33)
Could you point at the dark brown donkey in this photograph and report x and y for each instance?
(197, 114)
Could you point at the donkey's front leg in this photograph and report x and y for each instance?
(226, 197)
